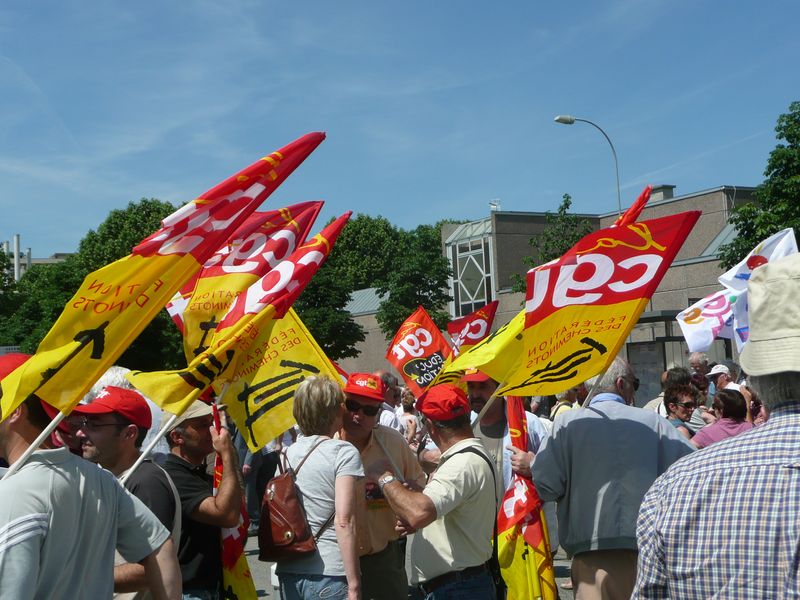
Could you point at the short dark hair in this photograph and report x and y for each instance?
(459, 422)
(36, 413)
(673, 394)
(731, 404)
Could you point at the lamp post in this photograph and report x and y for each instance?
(569, 120)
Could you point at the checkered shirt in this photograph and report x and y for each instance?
(724, 522)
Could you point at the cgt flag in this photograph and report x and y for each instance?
(472, 329)
(523, 547)
(251, 317)
(418, 351)
(260, 398)
(115, 303)
(580, 308)
(265, 239)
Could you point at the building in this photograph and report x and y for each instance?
(487, 254)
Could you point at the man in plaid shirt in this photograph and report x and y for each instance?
(725, 522)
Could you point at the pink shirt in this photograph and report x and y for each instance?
(722, 429)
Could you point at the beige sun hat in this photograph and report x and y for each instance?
(773, 345)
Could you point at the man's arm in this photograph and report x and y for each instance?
(224, 509)
(163, 573)
(549, 472)
(415, 508)
(651, 576)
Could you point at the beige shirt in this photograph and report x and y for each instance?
(461, 536)
(375, 520)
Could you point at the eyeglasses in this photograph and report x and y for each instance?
(353, 406)
(687, 404)
(87, 425)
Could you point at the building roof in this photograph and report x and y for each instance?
(364, 302)
(471, 230)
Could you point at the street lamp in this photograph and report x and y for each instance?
(569, 120)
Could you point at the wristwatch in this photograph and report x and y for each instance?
(386, 479)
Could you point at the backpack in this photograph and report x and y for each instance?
(283, 529)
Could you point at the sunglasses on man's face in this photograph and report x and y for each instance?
(369, 410)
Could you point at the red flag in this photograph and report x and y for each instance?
(472, 329)
(418, 350)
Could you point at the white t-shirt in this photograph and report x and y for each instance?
(60, 519)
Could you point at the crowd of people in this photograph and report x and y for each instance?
(694, 495)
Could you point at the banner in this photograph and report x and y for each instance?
(115, 303)
(523, 547)
(471, 329)
(260, 397)
(580, 308)
(418, 351)
(724, 314)
(252, 314)
(265, 239)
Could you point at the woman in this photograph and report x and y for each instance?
(327, 485)
(731, 410)
(680, 402)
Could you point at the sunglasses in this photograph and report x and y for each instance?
(368, 410)
(687, 404)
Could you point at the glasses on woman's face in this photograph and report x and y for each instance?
(369, 410)
(691, 405)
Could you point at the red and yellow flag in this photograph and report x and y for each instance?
(580, 308)
(471, 329)
(115, 303)
(418, 351)
(265, 239)
(243, 336)
(523, 547)
(237, 580)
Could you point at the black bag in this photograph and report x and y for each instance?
(283, 530)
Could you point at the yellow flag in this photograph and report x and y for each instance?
(115, 303)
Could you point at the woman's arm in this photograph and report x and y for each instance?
(345, 523)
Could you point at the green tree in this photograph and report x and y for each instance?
(418, 277)
(776, 202)
(562, 231)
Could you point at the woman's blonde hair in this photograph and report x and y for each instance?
(317, 402)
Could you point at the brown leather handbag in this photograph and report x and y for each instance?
(283, 529)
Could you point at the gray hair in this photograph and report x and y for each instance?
(618, 368)
(777, 388)
(700, 357)
(564, 395)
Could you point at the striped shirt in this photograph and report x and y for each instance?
(725, 521)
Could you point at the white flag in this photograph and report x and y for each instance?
(771, 249)
(708, 319)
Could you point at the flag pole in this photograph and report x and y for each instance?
(149, 449)
(35, 445)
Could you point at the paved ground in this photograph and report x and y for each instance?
(261, 573)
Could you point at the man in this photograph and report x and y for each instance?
(720, 376)
(112, 430)
(597, 463)
(391, 400)
(61, 518)
(191, 438)
(383, 573)
(564, 401)
(492, 430)
(725, 522)
(698, 362)
(454, 515)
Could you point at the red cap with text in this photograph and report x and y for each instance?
(365, 385)
(443, 402)
(130, 404)
(473, 374)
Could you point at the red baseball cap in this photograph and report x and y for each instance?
(443, 402)
(365, 385)
(128, 403)
(473, 374)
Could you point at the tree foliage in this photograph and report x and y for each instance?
(419, 277)
(562, 231)
(776, 202)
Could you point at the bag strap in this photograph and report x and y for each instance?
(473, 450)
(329, 520)
(314, 447)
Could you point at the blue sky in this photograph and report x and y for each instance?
(432, 109)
